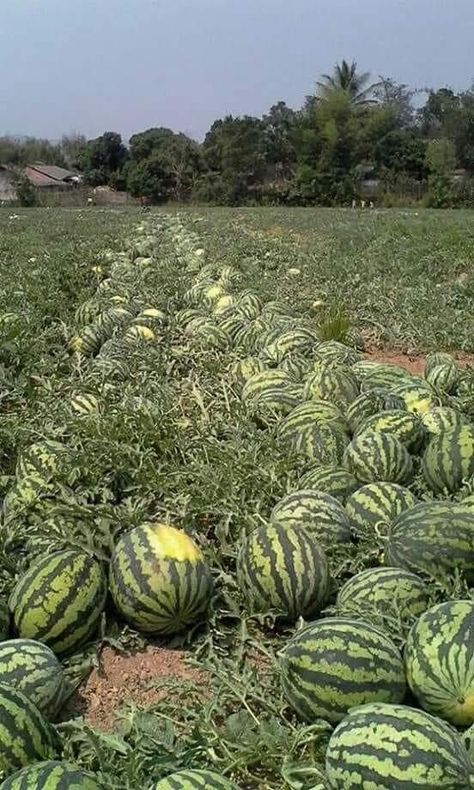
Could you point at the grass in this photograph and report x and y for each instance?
(172, 441)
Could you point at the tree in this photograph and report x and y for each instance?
(441, 161)
(72, 147)
(280, 139)
(103, 159)
(163, 165)
(398, 99)
(347, 79)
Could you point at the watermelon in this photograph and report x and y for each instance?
(443, 378)
(372, 508)
(374, 456)
(405, 426)
(439, 659)
(440, 419)
(449, 459)
(370, 403)
(384, 591)
(436, 538)
(332, 383)
(334, 664)
(112, 368)
(288, 342)
(210, 336)
(322, 444)
(244, 369)
(25, 736)
(88, 341)
(394, 747)
(51, 775)
(381, 375)
(437, 359)
(334, 351)
(33, 668)
(319, 513)
(266, 379)
(270, 405)
(305, 417)
(333, 480)
(42, 460)
(191, 779)
(4, 619)
(59, 600)
(418, 397)
(283, 569)
(297, 366)
(85, 403)
(159, 580)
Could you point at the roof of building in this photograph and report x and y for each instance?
(54, 172)
(39, 179)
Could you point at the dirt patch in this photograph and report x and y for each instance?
(414, 364)
(136, 678)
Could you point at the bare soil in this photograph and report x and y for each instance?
(130, 678)
(414, 363)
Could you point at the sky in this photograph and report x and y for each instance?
(126, 65)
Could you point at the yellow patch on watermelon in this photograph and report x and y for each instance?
(171, 543)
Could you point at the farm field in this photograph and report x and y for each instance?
(226, 372)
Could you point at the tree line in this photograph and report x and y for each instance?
(352, 137)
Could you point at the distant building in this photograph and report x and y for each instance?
(52, 177)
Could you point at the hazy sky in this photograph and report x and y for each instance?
(126, 65)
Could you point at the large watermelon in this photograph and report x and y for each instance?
(395, 747)
(306, 416)
(373, 507)
(319, 513)
(404, 425)
(440, 419)
(435, 538)
(283, 569)
(372, 457)
(386, 592)
(333, 383)
(370, 403)
(338, 663)
(33, 668)
(159, 580)
(439, 658)
(192, 779)
(25, 736)
(333, 480)
(51, 775)
(334, 351)
(59, 600)
(449, 459)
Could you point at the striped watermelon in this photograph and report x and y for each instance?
(319, 513)
(372, 508)
(51, 775)
(439, 659)
(210, 336)
(244, 369)
(405, 426)
(322, 444)
(306, 416)
(332, 383)
(284, 570)
(4, 619)
(159, 580)
(191, 779)
(297, 366)
(85, 403)
(266, 379)
(300, 339)
(112, 368)
(334, 351)
(449, 459)
(437, 359)
(335, 664)
(33, 668)
(25, 736)
(88, 341)
(384, 592)
(369, 403)
(59, 600)
(374, 456)
(381, 375)
(435, 538)
(395, 747)
(443, 378)
(270, 405)
(418, 397)
(440, 419)
(42, 460)
(333, 480)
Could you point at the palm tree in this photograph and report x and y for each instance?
(347, 79)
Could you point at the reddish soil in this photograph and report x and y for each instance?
(412, 362)
(130, 678)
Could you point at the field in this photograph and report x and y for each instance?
(104, 429)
